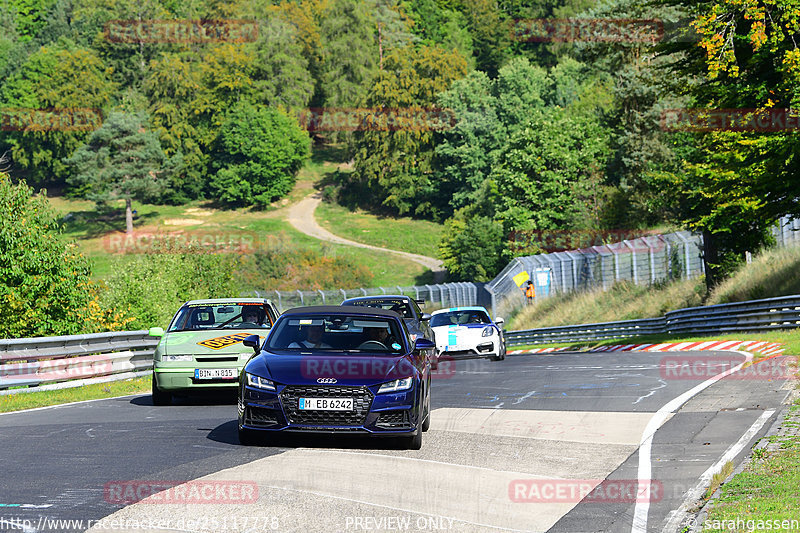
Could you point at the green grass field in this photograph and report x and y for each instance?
(406, 234)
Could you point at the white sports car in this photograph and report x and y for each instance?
(468, 332)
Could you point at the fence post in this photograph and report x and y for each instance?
(633, 262)
(416, 292)
(302, 302)
(279, 299)
(685, 255)
(323, 296)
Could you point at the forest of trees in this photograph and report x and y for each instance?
(544, 135)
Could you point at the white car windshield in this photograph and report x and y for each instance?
(459, 318)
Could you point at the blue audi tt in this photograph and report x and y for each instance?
(337, 369)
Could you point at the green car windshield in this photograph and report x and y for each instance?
(220, 316)
(341, 333)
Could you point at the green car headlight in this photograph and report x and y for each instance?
(260, 383)
(396, 385)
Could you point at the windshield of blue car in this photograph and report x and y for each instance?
(400, 307)
(220, 316)
(342, 333)
(460, 318)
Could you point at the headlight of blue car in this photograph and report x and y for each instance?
(396, 385)
(260, 383)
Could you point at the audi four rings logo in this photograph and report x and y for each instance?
(326, 380)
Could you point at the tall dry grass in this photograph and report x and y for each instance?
(775, 272)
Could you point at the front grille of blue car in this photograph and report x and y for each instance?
(394, 420)
(362, 401)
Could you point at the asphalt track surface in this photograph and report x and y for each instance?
(550, 424)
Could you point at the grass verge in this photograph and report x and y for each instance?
(30, 400)
(765, 492)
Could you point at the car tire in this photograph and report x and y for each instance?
(415, 442)
(160, 397)
(247, 437)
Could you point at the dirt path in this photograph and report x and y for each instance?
(301, 216)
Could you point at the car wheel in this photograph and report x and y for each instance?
(160, 397)
(415, 442)
(247, 437)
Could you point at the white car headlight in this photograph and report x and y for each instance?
(488, 331)
(396, 385)
(259, 382)
(175, 358)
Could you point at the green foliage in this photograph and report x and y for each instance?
(547, 167)
(150, 287)
(283, 76)
(62, 77)
(349, 53)
(44, 283)
(120, 160)
(397, 164)
(28, 16)
(258, 155)
(471, 248)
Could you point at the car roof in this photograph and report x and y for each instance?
(341, 310)
(212, 301)
(466, 308)
(379, 297)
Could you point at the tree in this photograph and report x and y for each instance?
(397, 162)
(547, 167)
(282, 71)
(120, 160)
(44, 282)
(737, 183)
(349, 53)
(63, 77)
(257, 156)
(487, 112)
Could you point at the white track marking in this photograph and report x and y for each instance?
(645, 447)
(694, 494)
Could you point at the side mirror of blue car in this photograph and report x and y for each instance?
(424, 344)
(253, 341)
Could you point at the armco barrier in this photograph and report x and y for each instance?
(753, 315)
(45, 363)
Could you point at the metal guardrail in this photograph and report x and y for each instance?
(753, 315)
(586, 332)
(47, 363)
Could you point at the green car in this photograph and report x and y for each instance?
(202, 347)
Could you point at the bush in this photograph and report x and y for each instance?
(152, 286)
(257, 156)
(44, 282)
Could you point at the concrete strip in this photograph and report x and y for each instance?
(459, 481)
